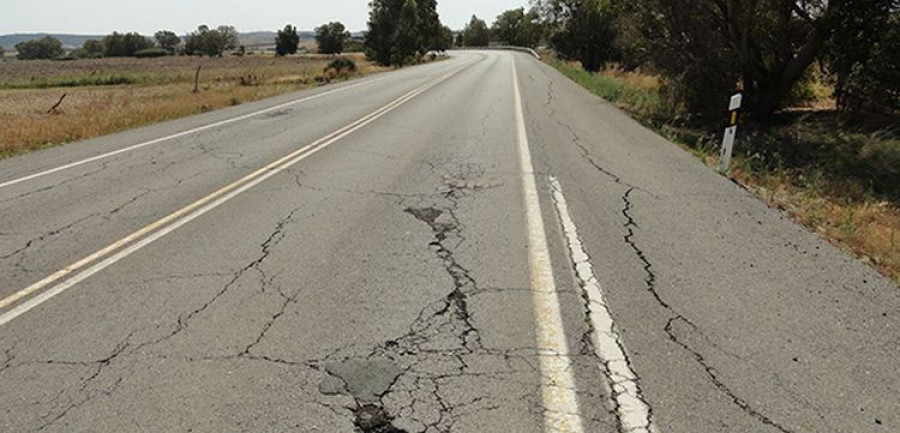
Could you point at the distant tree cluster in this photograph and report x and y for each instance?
(211, 42)
(401, 31)
(331, 38)
(47, 47)
(125, 45)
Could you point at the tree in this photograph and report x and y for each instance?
(90, 49)
(125, 45)
(47, 47)
(93, 48)
(211, 42)
(864, 55)
(431, 31)
(706, 47)
(518, 28)
(446, 40)
(409, 39)
(400, 31)
(167, 40)
(476, 33)
(286, 41)
(331, 37)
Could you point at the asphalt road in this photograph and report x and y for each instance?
(473, 245)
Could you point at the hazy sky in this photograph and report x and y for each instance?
(148, 16)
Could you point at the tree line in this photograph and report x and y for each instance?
(332, 38)
(707, 50)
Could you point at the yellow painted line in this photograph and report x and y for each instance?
(190, 212)
(561, 414)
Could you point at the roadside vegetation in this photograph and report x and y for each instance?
(820, 138)
(115, 94)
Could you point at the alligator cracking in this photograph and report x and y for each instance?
(463, 283)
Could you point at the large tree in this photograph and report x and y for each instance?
(167, 40)
(211, 42)
(476, 33)
(864, 56)
(400, 31)
(409, 40)
(517, 27)
(707, 47)
(331, 37)
(286, 41)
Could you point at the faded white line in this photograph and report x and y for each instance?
(557, 379)
(118, 251)
(185, 133)
(632, 410)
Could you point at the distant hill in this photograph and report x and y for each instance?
(74, 41)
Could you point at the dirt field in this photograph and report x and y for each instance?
(109, 95)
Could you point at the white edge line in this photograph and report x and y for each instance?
(185, 133)
(272, 170)
(558, 386)
(632, 411)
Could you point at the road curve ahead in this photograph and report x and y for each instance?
(473, 245)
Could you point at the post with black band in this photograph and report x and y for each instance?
(730, 133)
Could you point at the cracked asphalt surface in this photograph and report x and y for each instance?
(382, 284)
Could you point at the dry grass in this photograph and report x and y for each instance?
(160, 89)
(848, 216)
(840, 183)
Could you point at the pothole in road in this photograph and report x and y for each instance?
(372, 418)
(367, 381)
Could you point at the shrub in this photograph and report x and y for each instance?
(151, 52)
(342, 64)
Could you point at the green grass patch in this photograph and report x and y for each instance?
(646, 103)
(82, 81)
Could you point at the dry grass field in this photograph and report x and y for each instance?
(109, 95)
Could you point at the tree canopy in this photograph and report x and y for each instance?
(331, 37)
(47, 47)
(167, 40)
(211, 42)
(476, 33)
(708, 49)
(517, 27)
(401, 31)
(125, 44)
(286, 41)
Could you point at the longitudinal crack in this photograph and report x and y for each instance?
(650, 281)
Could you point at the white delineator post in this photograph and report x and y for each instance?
(730, 133)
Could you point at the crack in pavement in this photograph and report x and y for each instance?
(99, 365)
(265, 250)
(107, 215)
(650, 281)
